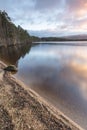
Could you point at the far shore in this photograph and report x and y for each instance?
(23, 109)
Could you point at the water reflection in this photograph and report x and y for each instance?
(58, 73)
(11, 54)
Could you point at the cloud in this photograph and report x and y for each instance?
(52, 17)
(43, 33)
(47, 4)
(77, 7)
(55, 32)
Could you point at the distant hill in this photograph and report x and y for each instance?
(10, 34)
(77, 37)
(66, 38)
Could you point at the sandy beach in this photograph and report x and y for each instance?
(23, 109)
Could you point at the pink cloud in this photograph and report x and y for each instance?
(77, 7)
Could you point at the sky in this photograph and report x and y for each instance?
(48, 17)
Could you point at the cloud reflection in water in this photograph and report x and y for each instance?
(59, 73)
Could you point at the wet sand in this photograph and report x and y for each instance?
(23, 109)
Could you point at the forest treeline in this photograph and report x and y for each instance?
(10, 34)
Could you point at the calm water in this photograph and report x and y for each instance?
(58, 73)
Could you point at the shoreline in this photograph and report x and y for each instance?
(22, 108)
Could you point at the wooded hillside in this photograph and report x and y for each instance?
(10, 34)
